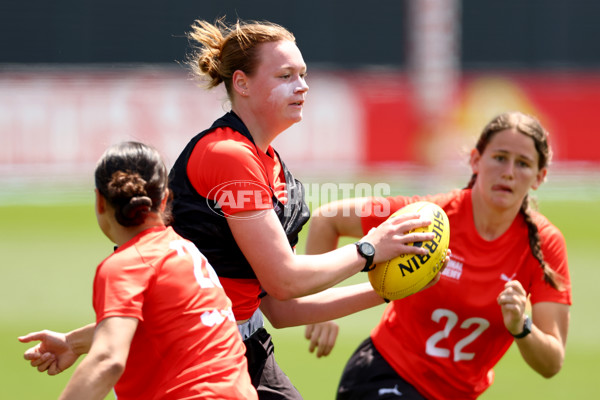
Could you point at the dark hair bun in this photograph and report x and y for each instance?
(133, 178)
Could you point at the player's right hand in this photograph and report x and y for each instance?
(52, 354)
(322, 337)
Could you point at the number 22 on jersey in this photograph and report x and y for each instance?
(434, 350)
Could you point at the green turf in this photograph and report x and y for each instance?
(49, 254)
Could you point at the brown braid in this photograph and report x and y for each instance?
(471, 182)
(531, 127)
(550, 276)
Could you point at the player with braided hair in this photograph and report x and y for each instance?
(442, 343)
(164, 326)
(533, 129)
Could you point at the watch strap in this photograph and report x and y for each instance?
(526, 329)
(369, 265)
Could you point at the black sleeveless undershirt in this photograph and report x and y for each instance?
(201, 221)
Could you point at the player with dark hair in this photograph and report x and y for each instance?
(164, 326)
(443, 343)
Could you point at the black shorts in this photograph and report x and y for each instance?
(270, 381)
(368, 375)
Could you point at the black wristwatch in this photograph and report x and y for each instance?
(526, 329)
(366, 250)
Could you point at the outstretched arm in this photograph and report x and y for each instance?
(57, 351)
(317, 310)
(544, 348)
(324, 306)
(97, 374)
(285, 275)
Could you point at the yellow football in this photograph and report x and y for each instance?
(409, 273)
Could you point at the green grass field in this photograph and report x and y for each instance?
(50, 251)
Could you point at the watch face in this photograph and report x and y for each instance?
(367, 249)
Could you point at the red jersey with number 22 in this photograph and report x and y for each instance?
(446, 339)
(186, 344)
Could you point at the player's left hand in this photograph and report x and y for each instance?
(513, 301)
(322, 337)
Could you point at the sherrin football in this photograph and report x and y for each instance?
(409, 273)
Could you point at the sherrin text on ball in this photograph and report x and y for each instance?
(408, 273)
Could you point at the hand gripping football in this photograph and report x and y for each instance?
(409, 273)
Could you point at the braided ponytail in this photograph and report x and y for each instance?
(550, 275)
(471, 182)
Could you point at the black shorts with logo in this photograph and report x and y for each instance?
(368, 375)
(270, 381)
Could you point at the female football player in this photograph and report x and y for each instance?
(443, 342)
(164, 326)
(237, 201)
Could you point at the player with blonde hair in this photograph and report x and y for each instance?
(250, 239)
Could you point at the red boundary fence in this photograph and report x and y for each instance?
(361, 119)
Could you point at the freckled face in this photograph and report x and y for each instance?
(507, 169)
(278, 86)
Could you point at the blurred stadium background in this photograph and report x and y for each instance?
(399, 89)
